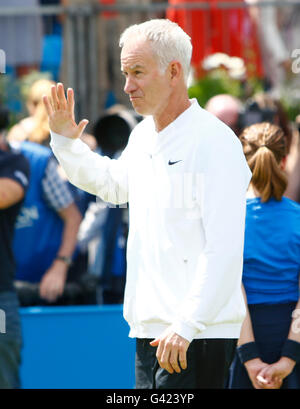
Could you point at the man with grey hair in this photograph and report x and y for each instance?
(185, 176)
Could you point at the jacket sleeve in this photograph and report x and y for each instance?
(89, 171)
(218, 276)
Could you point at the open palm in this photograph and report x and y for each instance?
(61, 112)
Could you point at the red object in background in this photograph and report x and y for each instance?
(108, 13)
(230, 31)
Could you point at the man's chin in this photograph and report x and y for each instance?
(139, 109)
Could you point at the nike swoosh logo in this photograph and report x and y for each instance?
(173, 163)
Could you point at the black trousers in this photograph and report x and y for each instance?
(208, 362)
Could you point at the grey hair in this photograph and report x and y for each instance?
(169, 42)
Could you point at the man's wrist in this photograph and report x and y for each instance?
(184, 330)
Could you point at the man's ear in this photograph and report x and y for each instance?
(175, 71)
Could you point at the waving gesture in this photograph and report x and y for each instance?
(61, 113)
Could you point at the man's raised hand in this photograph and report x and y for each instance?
(61, 112)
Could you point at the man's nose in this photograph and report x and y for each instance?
(130, 85)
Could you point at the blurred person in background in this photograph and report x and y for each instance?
(265, 108)
(46, 229)
(227, 108)
(268, 353)
(14, 180)
(35, 127)
(260, 108)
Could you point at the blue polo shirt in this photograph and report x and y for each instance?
(272, 251)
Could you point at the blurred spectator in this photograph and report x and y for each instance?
(112, 129)
(227, 108)
(14, 177)
(21, 37)
(104, 228)
(35, 127)
(269, 346)
(279, 31)
(265, 108)
(260, 108)
(46, 228)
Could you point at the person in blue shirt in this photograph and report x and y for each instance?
(268, 352)
(45, 234)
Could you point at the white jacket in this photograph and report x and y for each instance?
(186, 188)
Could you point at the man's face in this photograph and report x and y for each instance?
(147, 87)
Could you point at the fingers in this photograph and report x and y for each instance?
(182, 358)
(55, 101)
(261, 380)
(58, 97)
(48, 105)
(81, 126)
(51, 287)
(70, 101)
(170, 356)
(162, 354)
(61, 96)
(49, 293)
(267, 379)
(174, 360)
